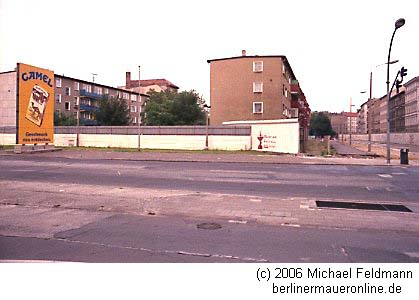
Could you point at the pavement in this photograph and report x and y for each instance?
(222, 157)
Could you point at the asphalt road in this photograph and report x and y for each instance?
(34, 227)
(339, 181)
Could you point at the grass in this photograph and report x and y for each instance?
(318, 148)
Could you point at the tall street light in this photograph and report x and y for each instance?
(399, 23)
(139, 108)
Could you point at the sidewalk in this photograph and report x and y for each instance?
(343, 149)
(210, 156)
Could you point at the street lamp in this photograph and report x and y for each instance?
(399, 23)
(350, 121)
(139, 108)
(207, 123)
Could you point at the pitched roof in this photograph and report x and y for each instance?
(160, 82)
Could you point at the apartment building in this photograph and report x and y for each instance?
(397, 111)
(300, 104)
(70, 94)
(344, 122)
(248, 88)
(362, 125)
(412, 105)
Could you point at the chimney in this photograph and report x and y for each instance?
(128, 80)
(243, 52)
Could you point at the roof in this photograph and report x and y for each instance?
(148, 82)
(412, 80)
(98, 84)
(350, 114)
(283, 57)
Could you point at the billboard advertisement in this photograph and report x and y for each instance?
(35, 103)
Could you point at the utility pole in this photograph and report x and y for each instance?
(350, 121)
(139, 108)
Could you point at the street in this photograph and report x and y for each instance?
(95, 210)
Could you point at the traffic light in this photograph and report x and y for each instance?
(403, 72)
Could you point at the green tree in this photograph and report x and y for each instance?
(113, 112)
(170, 108)
(320, 125)
(60, 119)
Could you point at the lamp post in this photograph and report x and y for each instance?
(139, 108)
(399, 23)
(350, 121)
(207, 123)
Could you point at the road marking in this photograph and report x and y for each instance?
(412, 254)
(290, 225)
(385, 175)
(255, 200)
(368, 188)
(237, 221)
(400, 173)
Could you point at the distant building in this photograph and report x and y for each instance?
(248, 88)
(145, 86)
(362, 126)
(344, 122)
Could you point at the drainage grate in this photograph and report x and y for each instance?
(209, 226)
(365, 206)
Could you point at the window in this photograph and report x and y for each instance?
(76, 100)
(87, 88)
(133, 108)
(125, 96)
(67, 106)
(57, 82)
(283, 69)
(135, 120)
(76, 86)
(58, 98)
(257, 107)
(257, 87)
(106, 91)
(133, 97)
(257, 66)
(98, 90)
(67, 91)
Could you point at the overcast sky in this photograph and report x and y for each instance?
(331, 45)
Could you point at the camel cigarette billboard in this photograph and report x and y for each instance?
(35, 103)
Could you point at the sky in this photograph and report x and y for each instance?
(332, 46)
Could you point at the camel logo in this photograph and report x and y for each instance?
(260, 138)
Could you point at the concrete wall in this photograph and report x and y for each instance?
(281, 138)
(177, 142)
(396, 138)
(8, 99)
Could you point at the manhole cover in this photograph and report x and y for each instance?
(210, 226)
(364, 206)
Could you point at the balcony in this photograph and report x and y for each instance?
(96, 96)
(87, 122)
(84, 107)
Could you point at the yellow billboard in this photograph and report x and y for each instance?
(35, 102)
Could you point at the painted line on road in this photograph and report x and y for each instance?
(385, 175)
(237, 222)
(412, 254)
(291, 225)
(255, 200)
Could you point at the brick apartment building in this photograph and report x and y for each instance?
(344, 122)
(69, 93)
(249, 88)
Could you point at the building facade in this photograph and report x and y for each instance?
(362, 126)
(73, 97)
(344, 122)
(248, 88)
(412, 105)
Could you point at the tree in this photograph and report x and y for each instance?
(320, 125)
(113, 112)
(60, 119)
(170, 108)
